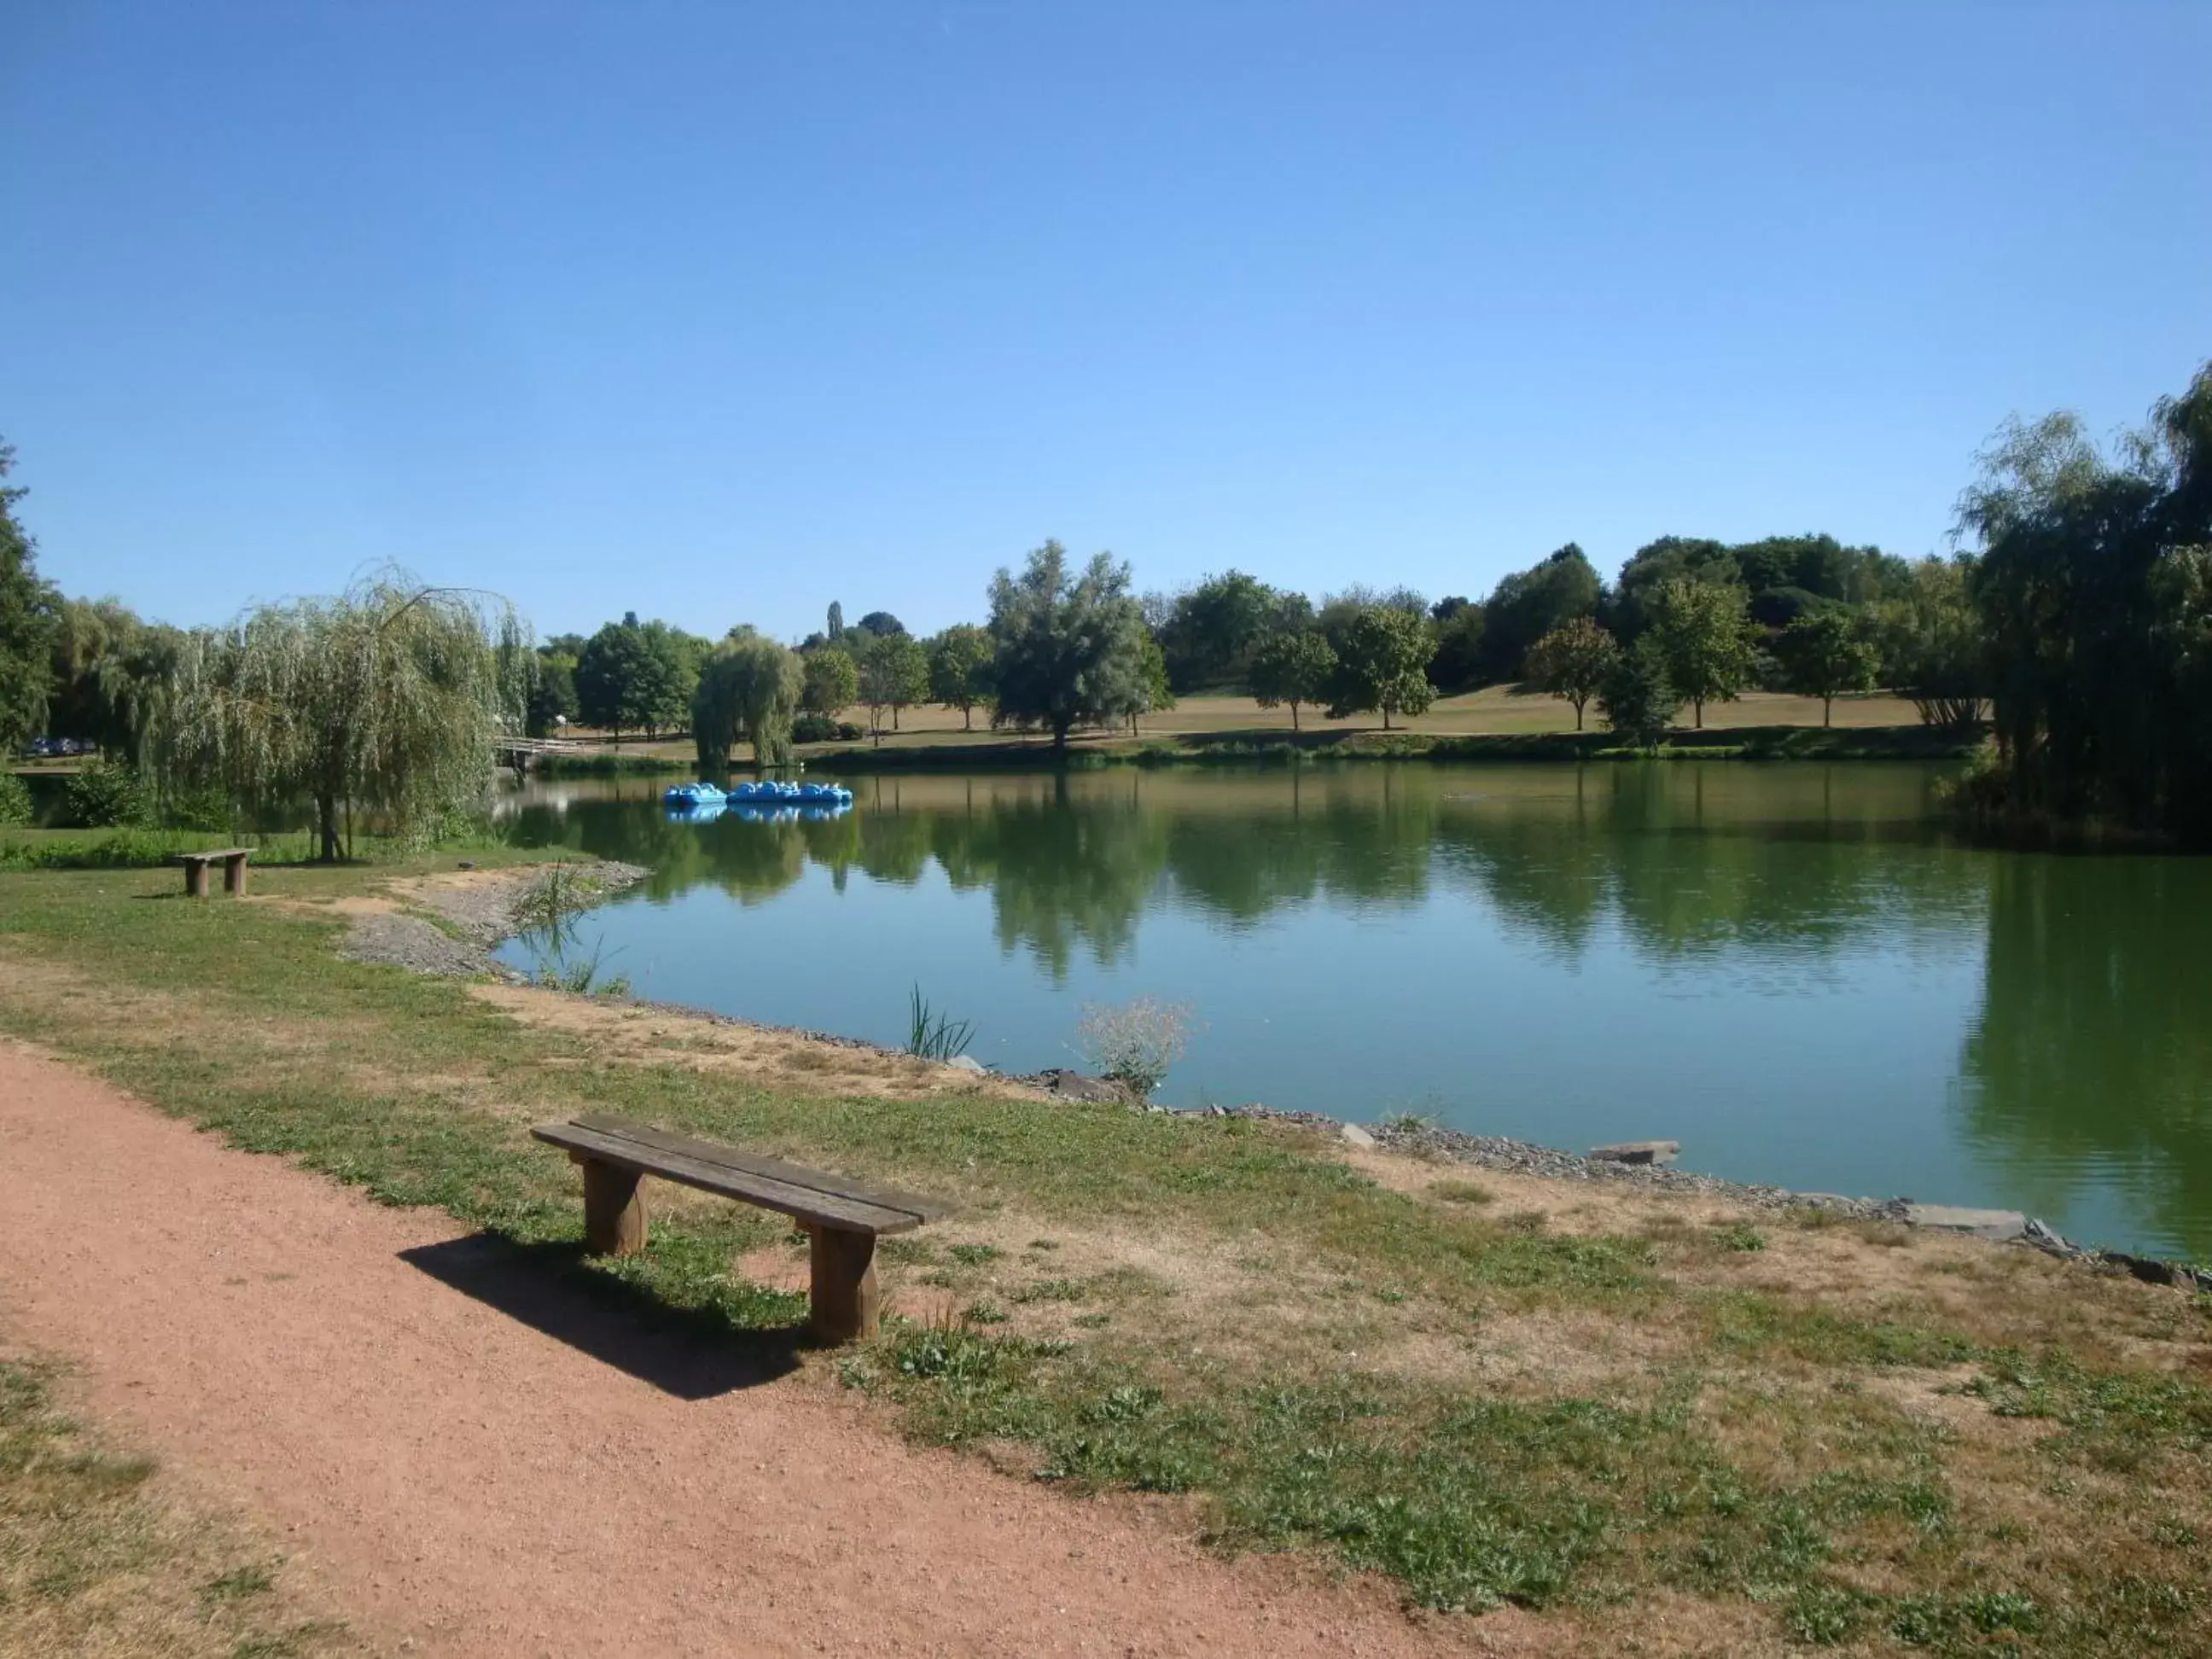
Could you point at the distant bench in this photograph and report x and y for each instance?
(844, 1217)
(234, 870)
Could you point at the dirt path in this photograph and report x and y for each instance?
(422, 1416)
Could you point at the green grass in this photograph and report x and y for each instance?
(1266, 1407)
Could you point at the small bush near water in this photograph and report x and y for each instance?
(107, 795)
(1134, 1044)
(15, 799)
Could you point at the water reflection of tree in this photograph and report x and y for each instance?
(1062, 875)
(1688, 861)
(2094, 1044)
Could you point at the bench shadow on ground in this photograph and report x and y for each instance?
(690, 1353)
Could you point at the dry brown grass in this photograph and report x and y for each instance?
(105, 1556)
(622, 1033)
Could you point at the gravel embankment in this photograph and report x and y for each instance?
(477, 914)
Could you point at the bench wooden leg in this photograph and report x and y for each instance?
(233, 876)
(196, 880)
(844, 1290)
(614, 1213)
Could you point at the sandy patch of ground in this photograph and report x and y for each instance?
(636, 1034)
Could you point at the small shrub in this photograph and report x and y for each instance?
(107, 795)
(15, 799)
(206, 811)
(1134, 1044)
(1738, 1235)
(814, 728)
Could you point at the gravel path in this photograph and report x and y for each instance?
(470, 1460)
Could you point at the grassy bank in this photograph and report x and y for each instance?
(1231, 748)
(1589, 1401)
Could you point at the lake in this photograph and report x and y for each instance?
(1796, 970)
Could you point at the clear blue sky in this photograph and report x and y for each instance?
(719, 312)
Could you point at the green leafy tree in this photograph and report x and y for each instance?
(1159, 689)
(750, 689)
(1574, 661)
(837, 623)
(28, 621)
(1638, 700)
(1294, 670)
(1212, 630)
(960, 669)
(552, 692)
(894, 671)
(388, 699)
(110, 672)
(1933, 650)
(1826, 653)
(881, 623)
(1070, 647)
(1704, 631)
(1383, 662)
(1530, 603)
(832, 681)
(2095, 589)
(1461, 661)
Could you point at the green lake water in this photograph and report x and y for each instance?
(1796, 971)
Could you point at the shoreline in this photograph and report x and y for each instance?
(1254, 747)
(483, 906)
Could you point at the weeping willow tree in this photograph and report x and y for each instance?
(388, 702)
(750, 688)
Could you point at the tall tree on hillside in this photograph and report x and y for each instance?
(832, 681)
(750, 689)
(1574, 661)
(881, 623)
(894, 672)
(1383, 662)
(27, 618)
(1632, 605)
(1704, 632)
(960, 669)
(1827, 652)
(1212, 630)
(388, 699)
(837, 623)
(1069, 646)
(1461, 660)
(1294, 669)
(1529, 603)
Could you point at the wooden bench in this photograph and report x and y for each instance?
(844, 1217)
(234, 870)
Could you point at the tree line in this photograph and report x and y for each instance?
(2077, 612)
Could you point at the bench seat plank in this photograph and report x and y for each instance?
(821, 1205)
(798, 1175)
(218, 852)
